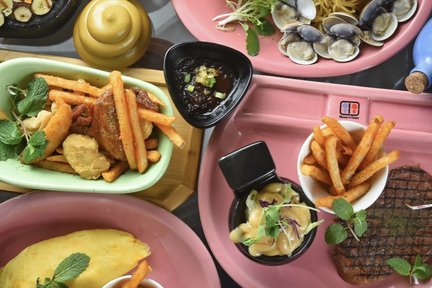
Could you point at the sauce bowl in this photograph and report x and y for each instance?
(205, 52)
(252, 167)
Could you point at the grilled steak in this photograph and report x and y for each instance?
(394, 230)
(105, 128)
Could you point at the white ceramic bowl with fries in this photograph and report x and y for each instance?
(314, 189)
(21, 71)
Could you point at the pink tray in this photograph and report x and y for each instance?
(282, 112)
(199, 23)
(178, 257)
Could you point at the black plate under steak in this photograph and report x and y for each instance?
(43, 25)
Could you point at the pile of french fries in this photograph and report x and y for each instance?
(344, 166)
(140, 149)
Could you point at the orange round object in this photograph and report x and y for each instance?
(112, 34)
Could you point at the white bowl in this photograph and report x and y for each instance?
(147, 283)
(314, 189)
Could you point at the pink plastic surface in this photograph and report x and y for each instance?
(198, 20)
(282, 112)
(178, 259)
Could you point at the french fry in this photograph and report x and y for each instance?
(70, 98)
(156, 99)
(326, 131)
(316, 173)
(123, 118)
(153, 156)
(351, 195)
(56, 130)
(79, 92)
(340, 131)
(342, 159)
(106, 87)
(319, 154)
(344, 150)
(71, 85)
(155, 117)
(374, 167)
(146, 127)
(139, 145)
(361, 150)
(332, 164)
(309, 160)
(377, 143)
(332, 191)
(115, 171)
(137, 276)
(172, 134)
(151, 143)
(318, 136)
(56, 166)
(57, 158)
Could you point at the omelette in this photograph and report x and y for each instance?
(112, 253)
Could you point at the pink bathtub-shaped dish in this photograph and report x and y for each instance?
(270, 60)
(282, 112)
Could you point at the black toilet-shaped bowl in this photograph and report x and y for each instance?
(252, 167)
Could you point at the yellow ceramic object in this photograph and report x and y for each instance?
(112, 34)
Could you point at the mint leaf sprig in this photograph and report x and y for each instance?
(68, 269)
(25, 103)
(356, 223)
(416, 272)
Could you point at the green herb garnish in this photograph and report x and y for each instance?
(274, 224)
(13, 134)
(252, 41)
(35, 147)
(68, 269)
(354, 222)
(418, 271)
(251, 14)
(35, 99)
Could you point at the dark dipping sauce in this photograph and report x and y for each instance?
(199, 98)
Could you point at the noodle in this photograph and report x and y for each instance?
(325, 7)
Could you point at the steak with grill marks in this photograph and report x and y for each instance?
(394, 230)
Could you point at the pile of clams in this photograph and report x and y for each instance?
(342, 32)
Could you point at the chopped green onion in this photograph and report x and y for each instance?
(190, 88)
(206, 92)
(211, 81)
(187, 78)
(220, 95)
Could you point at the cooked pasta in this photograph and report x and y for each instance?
(325, 7)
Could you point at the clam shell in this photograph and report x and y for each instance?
(310, 34)
(306, 8)
(345, 30)
(285, 40)
(283, 14)
(404, 9)
(330, 21)
(366, 37)
(321, 48)
(380, 32)
(302, 52)
(369, 12)
(348, 18)
(343, 50)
